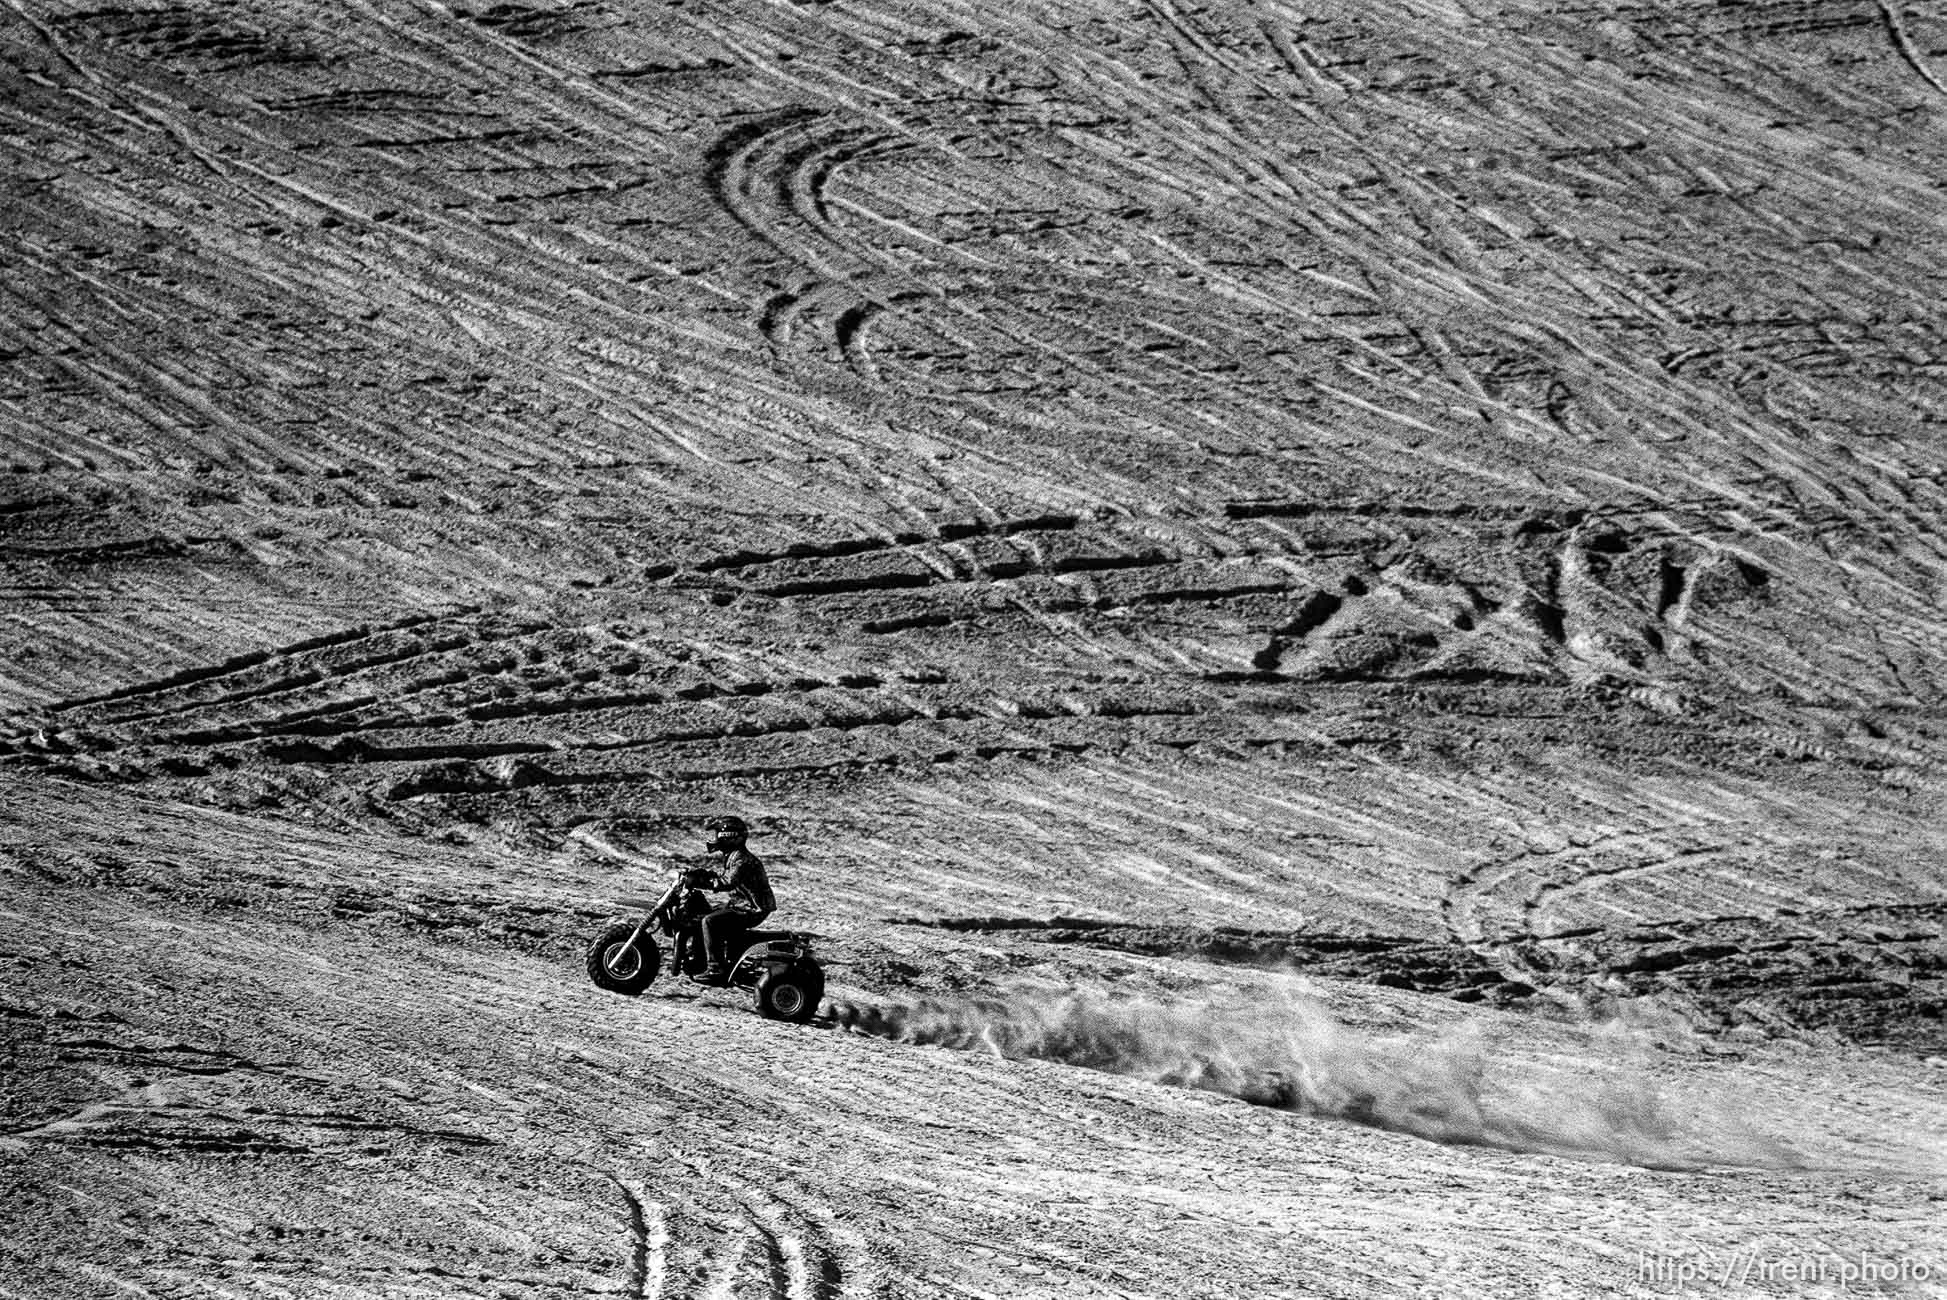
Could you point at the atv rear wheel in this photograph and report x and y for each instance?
(790, 994)
(620, 966)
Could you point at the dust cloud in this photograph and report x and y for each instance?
(1288, 1053)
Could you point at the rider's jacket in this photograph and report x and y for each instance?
(742, 875)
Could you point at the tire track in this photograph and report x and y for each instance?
(767, 1234)
(1904, 44)
(1544, 892)
(773, 176)
(648, 1243)
(242, 663)
(325, 701)
(1467, 890)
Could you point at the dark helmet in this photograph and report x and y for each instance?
(726, 833)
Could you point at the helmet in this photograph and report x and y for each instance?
(726, 833)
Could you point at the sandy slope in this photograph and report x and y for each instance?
(1333, 611)
(231, 1079)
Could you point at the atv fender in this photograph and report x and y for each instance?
(773, 956)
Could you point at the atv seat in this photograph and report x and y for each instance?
(756, 938)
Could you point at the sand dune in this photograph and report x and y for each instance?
(1332, 613)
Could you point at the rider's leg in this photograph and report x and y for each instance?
(719, 928)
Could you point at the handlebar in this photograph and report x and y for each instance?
(683, 878)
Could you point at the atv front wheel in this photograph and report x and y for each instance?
(790, 994)
(620, 966)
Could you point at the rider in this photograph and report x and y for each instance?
(742, 876)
